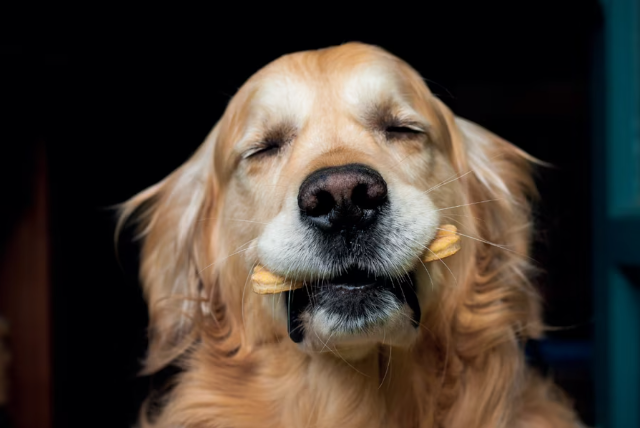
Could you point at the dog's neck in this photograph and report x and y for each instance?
(276, 384)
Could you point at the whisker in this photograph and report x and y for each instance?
(323, 342)
(328, 339)
(454, 220)
(399, 162)
(442, 261)
(387, 370)
(437, 186)
(452, 179)
(433, 287)
(249, 221)
(465, 215)
(400, 285)
(312, 297)
(502, 247)
(338, 354)
(225, 258)
(306, 287)
(233, 219)
(479, 239)
(445, 264)
(466, 205)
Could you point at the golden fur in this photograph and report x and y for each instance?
(467, 367)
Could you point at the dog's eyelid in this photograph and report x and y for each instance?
(407, 128)
(262, 147)
(403, 119)
(264, 142)
(400, 127)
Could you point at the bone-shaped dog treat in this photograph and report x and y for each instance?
(265, 282)
(445, 244)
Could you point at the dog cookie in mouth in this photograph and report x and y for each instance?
(265, 282)
(445, 244)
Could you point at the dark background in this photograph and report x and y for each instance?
(120, 103)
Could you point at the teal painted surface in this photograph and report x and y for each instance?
(616, 209)
(624, 345)
(622, 56)
(623, 242)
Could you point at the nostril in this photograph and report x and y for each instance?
(369, 195)
(359, 196)
(324, 203)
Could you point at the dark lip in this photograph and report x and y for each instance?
(352, 284)
(354, 279)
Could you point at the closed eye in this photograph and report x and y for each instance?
(264, 148)
(402, 131)
(272, 141)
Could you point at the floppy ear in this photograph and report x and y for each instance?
(500, 302)
(494, 307)
(503, 173)
(168, 216)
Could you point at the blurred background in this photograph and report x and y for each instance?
(98, 108)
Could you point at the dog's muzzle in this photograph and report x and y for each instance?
(343, 206)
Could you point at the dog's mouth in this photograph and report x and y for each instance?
(351, 303)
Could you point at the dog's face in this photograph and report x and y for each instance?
(327, 165)
(333, 168)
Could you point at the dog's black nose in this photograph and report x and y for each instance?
(343, 197)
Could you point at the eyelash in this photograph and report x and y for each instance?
(264, 148)
(402, 131)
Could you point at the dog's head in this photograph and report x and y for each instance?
(336, 168)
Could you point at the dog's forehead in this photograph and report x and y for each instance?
(284, 94)
(375, 83)
(355, 75)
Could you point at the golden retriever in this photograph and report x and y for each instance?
(336, 167)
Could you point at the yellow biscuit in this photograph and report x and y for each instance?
(445, 244)
(265, 282)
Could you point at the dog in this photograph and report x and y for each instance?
(336, 168)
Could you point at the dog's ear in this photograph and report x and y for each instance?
(500, 303)
(504, 174)
(493, 307)
(169, 219)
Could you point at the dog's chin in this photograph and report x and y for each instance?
(353, 313)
